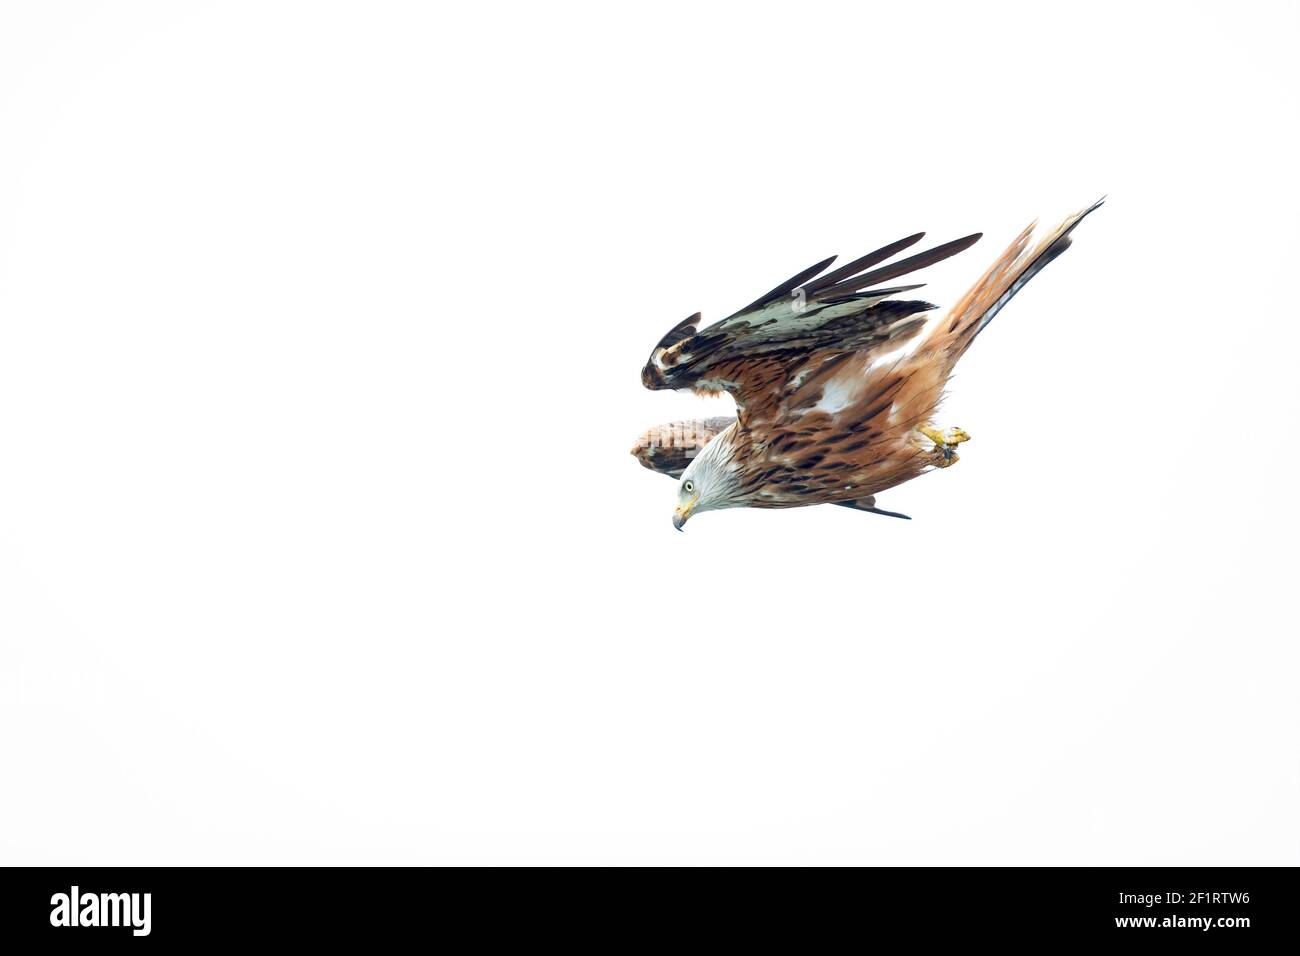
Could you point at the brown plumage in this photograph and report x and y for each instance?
(830, 408)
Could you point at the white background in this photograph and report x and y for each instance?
(320, 336)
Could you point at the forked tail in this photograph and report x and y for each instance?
(1007, 276)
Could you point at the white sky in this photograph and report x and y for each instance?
(321, 328)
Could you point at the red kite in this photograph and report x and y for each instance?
(830, 409)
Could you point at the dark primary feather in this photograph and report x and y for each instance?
(786, 287)
(850, 277)
(903, 266)
(865, 262)
(827, 299)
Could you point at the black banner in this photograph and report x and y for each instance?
(135, 907)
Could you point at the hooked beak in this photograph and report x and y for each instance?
(681, 514)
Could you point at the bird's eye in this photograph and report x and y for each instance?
(689, 487)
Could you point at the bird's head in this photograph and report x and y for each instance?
(710, 481)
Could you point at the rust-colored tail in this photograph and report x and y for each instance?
(1007, 276)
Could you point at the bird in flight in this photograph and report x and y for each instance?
(830, 406)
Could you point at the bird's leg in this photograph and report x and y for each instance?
(945, 442)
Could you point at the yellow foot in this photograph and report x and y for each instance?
(944, 450)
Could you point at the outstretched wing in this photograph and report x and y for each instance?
(668, 449)
(755, 353)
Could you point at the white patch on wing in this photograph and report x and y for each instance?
(880, 359)
(837, 395)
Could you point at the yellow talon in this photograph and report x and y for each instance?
(944, 452)
(932, 433)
